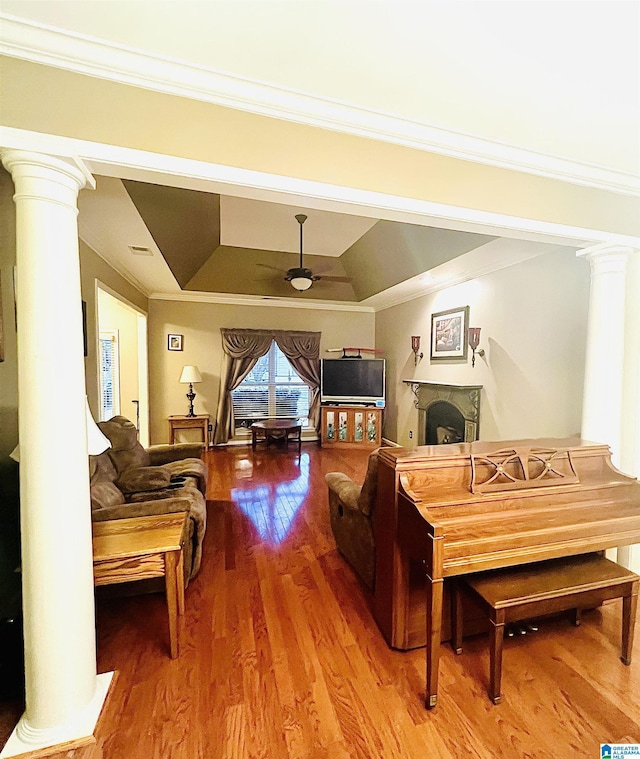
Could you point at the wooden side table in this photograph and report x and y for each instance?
(200, 421)
(125, 550)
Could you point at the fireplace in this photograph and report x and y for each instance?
(447, 413)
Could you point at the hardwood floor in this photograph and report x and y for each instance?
(281, 658)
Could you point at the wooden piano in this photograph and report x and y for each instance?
(450, 510)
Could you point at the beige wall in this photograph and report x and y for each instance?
(533, 318)
(200, 324)
(72, 105)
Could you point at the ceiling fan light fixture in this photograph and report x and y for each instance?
(301, 283)
(301, 279)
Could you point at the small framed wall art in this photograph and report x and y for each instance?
(174, 342)
(449, 334)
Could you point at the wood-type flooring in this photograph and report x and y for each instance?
(281, 658)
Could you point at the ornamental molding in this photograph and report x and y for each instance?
(90, 56)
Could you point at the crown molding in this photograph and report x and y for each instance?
(81, 54)
(264, 301)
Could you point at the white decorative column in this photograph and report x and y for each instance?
(604, 369)
(63, 693)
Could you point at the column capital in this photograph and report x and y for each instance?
(28, 164)
(611, 251)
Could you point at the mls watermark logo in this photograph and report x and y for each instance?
(619, 750)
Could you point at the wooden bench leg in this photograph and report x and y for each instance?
(577, 617)
(496, 639)
(629, 606)
(457, 622)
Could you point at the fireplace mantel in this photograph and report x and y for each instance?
(440, 384)
(465, 398)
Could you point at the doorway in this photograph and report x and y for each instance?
(122, 361)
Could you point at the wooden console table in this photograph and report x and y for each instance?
(351, 426)
(200, 421)
(125, 550)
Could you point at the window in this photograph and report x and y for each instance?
(271, 389)
(109, 376)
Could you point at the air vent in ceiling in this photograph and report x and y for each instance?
(139, 250)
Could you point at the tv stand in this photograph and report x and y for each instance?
(351, 426)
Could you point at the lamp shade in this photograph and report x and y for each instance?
(474, 337)
(97, 442)
(301, 283)
(190, 374)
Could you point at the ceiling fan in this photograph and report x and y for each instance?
(302, 278)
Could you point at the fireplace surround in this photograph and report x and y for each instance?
(448, 413)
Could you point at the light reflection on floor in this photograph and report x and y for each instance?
(271, 507)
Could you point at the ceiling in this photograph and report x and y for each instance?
(553, 80)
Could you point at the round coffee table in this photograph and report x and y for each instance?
(276, 429)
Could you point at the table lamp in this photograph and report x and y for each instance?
(97, 441)
(190, 374)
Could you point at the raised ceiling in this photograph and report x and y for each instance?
(224, 244)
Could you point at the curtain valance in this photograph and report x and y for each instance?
(246, 343)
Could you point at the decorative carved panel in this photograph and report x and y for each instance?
(518, 468)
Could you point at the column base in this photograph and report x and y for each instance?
(73, 734)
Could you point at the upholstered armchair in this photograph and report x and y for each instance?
(141, 469)
(109, 502)
(351, 509)
(129, 480)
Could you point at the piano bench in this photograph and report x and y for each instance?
(547, 587)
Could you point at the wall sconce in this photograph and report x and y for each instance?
(415, 347)
(474, 341)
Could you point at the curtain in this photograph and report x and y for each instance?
(243, 348)
(303, 351)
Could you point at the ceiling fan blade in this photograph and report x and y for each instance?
(335, 279)
(273, 268)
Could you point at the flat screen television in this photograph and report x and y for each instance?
(352, 380)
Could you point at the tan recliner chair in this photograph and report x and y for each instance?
(128, 480)
(134, 463)
(351, 509)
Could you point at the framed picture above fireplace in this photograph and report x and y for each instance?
(449, 334)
